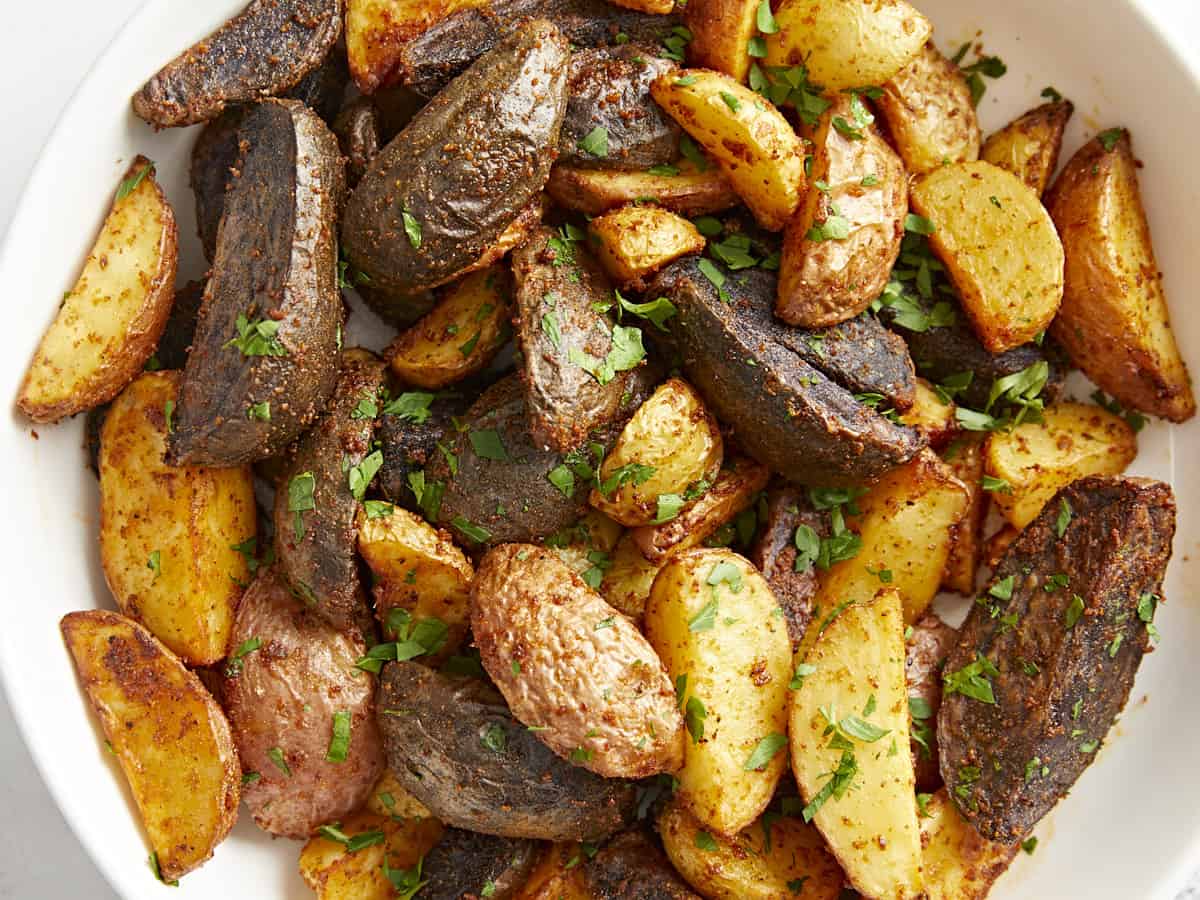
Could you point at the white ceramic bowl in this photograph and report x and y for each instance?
(1131, 828)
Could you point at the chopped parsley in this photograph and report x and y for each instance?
(973, 680)
(412, 229)
(361, 475)
(257, 338)
(595, 142)
(300, 499)
(130, 184)
(764, 752)
(412, 406)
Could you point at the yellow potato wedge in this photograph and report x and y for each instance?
(169, 535)
(586, 546)
(459, 336)
(752, 142)
(773, 859)
(634, 242)
(1037, 459)
(959, 864)
(721, 32)
(907, 526)
(736, 487)
(557, 876)
(389, 798)
(965, 459)
(109, 323)
(628, 579)
(166, 730)
(1114, 322)
(858, 779)
(335, 872)
(999, 247)
(691, 192)
(1029, 146)
(719, 631)
(931, 416)
(376, 31)
(847, 43)
(417, 568)
(839, 249)
(677, 444)
(929, 113)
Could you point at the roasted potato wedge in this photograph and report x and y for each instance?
(751, 141)
(958, 863)
(774, 552)
(931, 416)
(377, 30)
(469, 864)
(109, 322)
(560, 655)
(557, 876)
(586, 546)
(265, 356)
(906, 524)
(928, 643)
(627, 580)
(336, 872)
(774, 859)
(721, 32)
(417, 568)
(996, 545)
(262, 51)
(1029, 146)
(965, 459)
(859, 783)
(169, 535)
(999, 247)
(689, 192)
(839, 249)
(929, 113)
(1114, 322)
(169, 735)
(848, 43)
(717, 628)
(634, 242)
(359, 132)
(460, 336)
(632, 867)
(214, 158)
(1036, 459)
(735, 488)
(302, 713)
(390, 798)
(671, 444)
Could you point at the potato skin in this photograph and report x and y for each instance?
(186, 787)
(265, 49)
(1029, 145)
(823, 282)
(276, 260)
(774, 553)
(631, 867)
(930, 114)
(214, 156)
(432, 727)
(466, 864)
(283, 697)
(721, 32)
(600, 692)
(926, 651)
(463, 169)
(1114, 322)
(358, 131)
(596, 191)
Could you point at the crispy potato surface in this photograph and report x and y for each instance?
(717, 627)
(1029, 145)
(377, 30)
(958, 863)
(168, 533)
(1000, 249)
(557, 876)
(336, 872)
(634, 242)
(1114, 322)
(721, 32)
(109, 322)
(690, 192)
(859, 792)
(168, 733)
(1036, 459)
(931, 416)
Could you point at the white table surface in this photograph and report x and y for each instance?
(39, 856)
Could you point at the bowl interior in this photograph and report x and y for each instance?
(1143, 778)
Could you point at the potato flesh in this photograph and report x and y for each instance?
(636, 241)
(847, 43)
(627, 581)
(751, 141)
(1000, 249)
(167, 533)
(110, 321)
(1037, 459)
(872, 829)
(738, 669)
(1114, 322)
(930, 415)
(826, 281)
(376, 31)
(459, 337)
(958, 863)
(747, 867)
(693, 192)
(335, 873)
(557, 876)
(169, 735)
(1029, 146)
(721, 33)
(930, 114)
(906, 526)
(672, 433)
(965, 459)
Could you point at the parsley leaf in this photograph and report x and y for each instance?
(258, 338)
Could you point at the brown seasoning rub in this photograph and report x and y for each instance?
(464, 865)
(632, 867)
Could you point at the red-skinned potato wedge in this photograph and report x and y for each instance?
(721, 32)
(166, 730)
(377, 30)
(1114, 322)
(111, 320)
(838, 251)
(1029, 146)
(751, 141)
